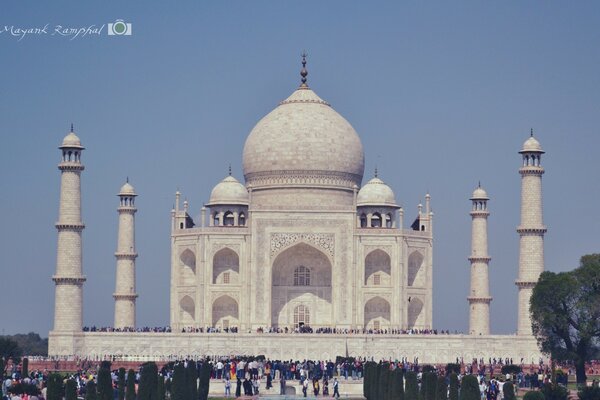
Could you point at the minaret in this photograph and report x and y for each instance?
(479, 298)
(531, 230)
(125, 295)
(68, 301)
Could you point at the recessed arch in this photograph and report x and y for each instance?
(225, 312)
(187, 273)
(226, 267)
(415, 313)
(415, 273)
(187, 310)
(286, 295)
(378, 268)
(377, 313)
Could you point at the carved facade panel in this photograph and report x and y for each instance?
(324, 241)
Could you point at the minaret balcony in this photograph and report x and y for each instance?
(72, 227)
(126, 255)
(482, 299)
(71, 166)
(475, 259)
(66, 280)
(531, 170)
(530, 230)
(525, 284)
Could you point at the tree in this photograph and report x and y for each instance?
(104, 387)
(509, 391)
(71, 390)
(161, 390)
(441, 389)
(430, 384)
(553, 391)
(121, 383)
(204, 380)
(178, 383)
(589, 393)
(453, 394)
(565, 314)
(54, 390)
(90, 391)
(412, 387)
(469, 388)
(191, 379)
(10, 349)
(25, 367)
(534, 395)
(130, 392)
(148, 382)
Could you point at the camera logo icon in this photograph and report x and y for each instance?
(119, 28)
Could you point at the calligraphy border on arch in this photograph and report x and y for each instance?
(281, 241)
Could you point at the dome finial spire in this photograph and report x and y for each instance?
(303, 71)
(229, 169)
(531, 132)
(376, 171)
(71, 127)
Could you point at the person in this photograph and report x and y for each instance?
(325, 386)
(227, 386)
(269, 380)
(304, 387)
(336, 388)
(282, 385)
(238, 388)
(247, 387)
(255, 385)
(316, 387)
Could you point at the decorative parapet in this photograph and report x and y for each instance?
(66, 280)
(302, 178)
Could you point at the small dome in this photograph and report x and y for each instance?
(479, 194)
(127, 190)
(228, 191)
(532, 145)
(376, 193)
(71, 140)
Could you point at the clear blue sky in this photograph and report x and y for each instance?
(442, 94)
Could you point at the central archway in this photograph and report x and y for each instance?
(225, 312)
(301, 279)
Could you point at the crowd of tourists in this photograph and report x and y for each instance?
(305, 329)
(244, 375)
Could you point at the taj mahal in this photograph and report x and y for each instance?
(298, 243)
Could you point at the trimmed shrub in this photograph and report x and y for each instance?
(430, 383)
(453, 393)
(161, 390)
(71, 390)
(54, 390)
(130, 392)
(511, 369)
(147, 389)
(90, 391)
(25, 368)
(509, 391)
(452, 367)
(204, 380)
(589, 393)
(534, 395)
(121, 384)
(469, 388)
(411, 390)
(441, 390)
(554, 392)
(178, 383)
(104, 388)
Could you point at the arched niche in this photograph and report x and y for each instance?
(378, 268)
(415, 313)
(225, 313)
(377, 313)
(187, 311)
(415, 271)
(187, 272)
(226, 267)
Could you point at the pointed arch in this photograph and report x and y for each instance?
(225, 312)
(377, 313)
(187, 273)
(415, 273)
(314, 293)
(226, 267)
(378, 268)
(415, 313)
(187, 311)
